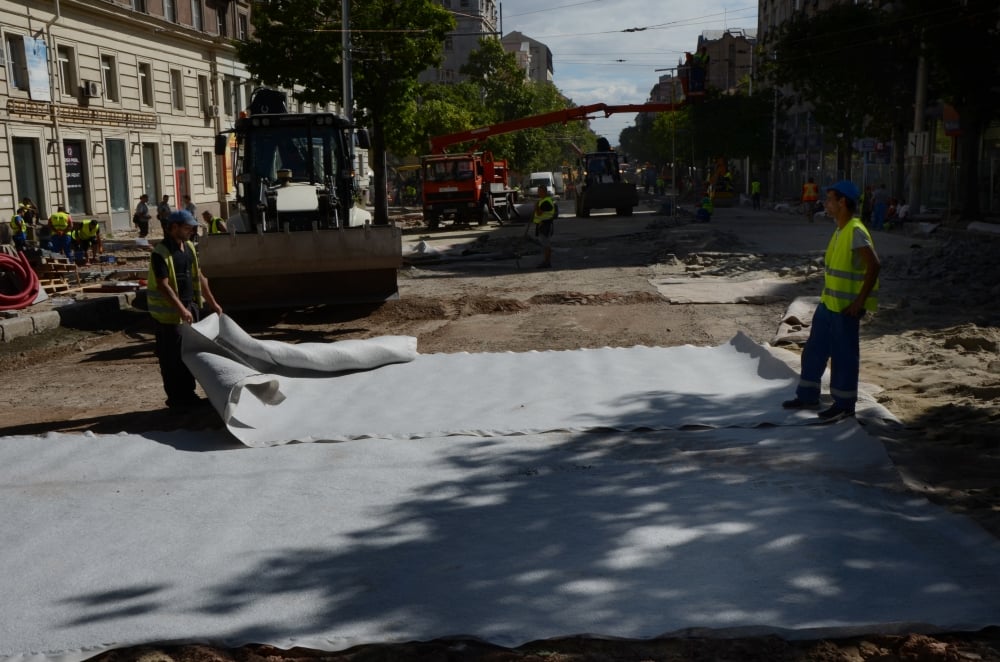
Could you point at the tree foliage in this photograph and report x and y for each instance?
(856, 65)
(296, 44)
(847, 62)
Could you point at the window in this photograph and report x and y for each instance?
(243, 25)
(448, 45)
(109, 77)
(227, 96)
(208, 167)
(140, 6)
(17, 65)
(146, 84)
(196, 17)
(67, 70)
(222, 24)
(204, 100)
(176, 89)
(170, 11)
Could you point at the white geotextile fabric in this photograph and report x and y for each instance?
(111, 540)
(489, 394)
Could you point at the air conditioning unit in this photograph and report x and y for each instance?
(211, 111)
(92, 88)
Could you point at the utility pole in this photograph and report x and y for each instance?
(919, 145)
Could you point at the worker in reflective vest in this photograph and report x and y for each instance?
(850, 290)
(810, 196)
(87, 236)
(177, 290)
(544, 220)
(19, 229)
(215, 224)
(61, 224)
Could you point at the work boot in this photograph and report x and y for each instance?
(835, 413)
(799, 404)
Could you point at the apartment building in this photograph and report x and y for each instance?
(534, 56)
(103, 100)
(474, 20)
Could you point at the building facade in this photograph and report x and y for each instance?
(104, 100)
(474, 19)
(533, 55)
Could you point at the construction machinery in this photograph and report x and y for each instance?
(466, 188)
(614, 194)
(602, 185)
(297, 235)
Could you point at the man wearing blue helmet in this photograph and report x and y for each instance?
(850, 288)
(177, 291)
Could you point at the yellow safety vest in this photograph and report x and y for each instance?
(213, 226)
(542, 216)
(18, 224)
(87, 230)
(845, 271)
(160, 307)
(59, 221)
(810, 192)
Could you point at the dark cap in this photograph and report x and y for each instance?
(847, 189)
(183, 217)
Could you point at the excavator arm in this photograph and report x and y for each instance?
(440, 144)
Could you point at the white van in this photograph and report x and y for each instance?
(551, 180)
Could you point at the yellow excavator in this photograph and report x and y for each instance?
(298, 236)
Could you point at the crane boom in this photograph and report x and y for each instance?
(440, 144)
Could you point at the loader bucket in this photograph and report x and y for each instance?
(249, 271)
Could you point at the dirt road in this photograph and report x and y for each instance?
(934, 348)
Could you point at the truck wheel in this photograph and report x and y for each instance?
(623, 211)
(434, 222)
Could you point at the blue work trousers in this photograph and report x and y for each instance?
(834, 337)
(62, 243)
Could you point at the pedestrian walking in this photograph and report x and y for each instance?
(810, 196)
(177, 291)
(880, 207)
(849, 291)
(163, 212)
(141, 216)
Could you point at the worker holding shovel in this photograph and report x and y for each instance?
(546, 212)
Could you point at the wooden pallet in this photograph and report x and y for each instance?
(58, 269)
(54, 285)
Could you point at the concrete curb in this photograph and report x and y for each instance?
(88, 313)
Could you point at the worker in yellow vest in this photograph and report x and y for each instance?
(850, 290)
(61, 224)
(176, 291)
(544, 220)
(19, 229)
(87, 237)
(215, 224)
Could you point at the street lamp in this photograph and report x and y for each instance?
(673, 141)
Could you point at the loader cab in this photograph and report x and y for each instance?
(312, 153)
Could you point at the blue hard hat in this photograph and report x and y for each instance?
(182, 216)
(847, 189)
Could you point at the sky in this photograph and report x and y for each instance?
(608, 51)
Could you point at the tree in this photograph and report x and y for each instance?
(296, 44)
(846, 63)
(962, 40)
